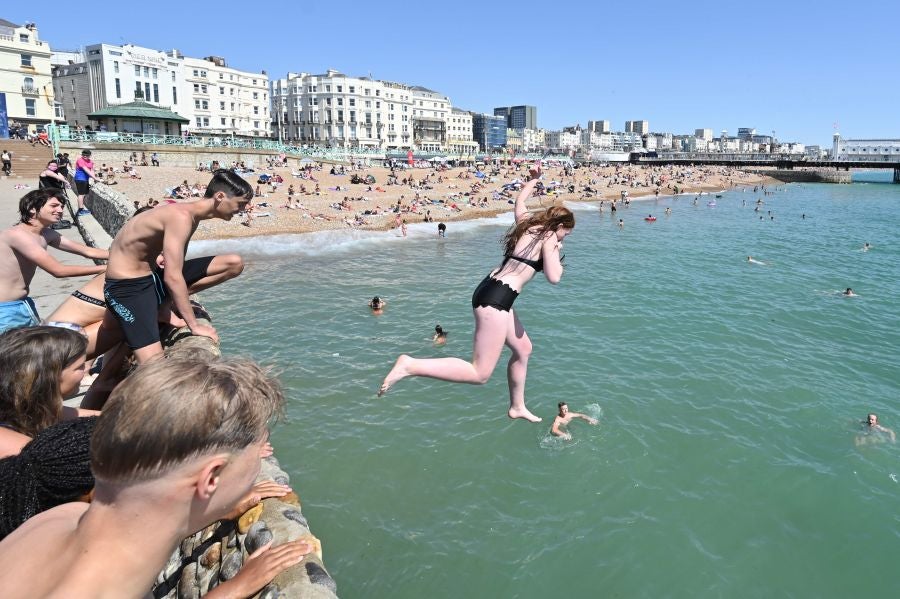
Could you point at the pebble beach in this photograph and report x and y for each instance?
(449, 194)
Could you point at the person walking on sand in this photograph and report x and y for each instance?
(532, 245)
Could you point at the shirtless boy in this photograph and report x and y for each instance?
(176, 448)
(565, 417)
(136, 286)
(23, 248)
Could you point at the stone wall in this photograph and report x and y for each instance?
(216, 553)
(108, 207)
(807, 175)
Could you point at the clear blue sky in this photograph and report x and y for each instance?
(795, 67)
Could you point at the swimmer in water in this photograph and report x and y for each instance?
(848, 292)
(668, 210)
(440, 335)
(871, 426)
(752, 260)
(866, 247)
(377, 304)
(564, 418)
(621, 223)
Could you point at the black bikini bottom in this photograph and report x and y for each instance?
(494, 293)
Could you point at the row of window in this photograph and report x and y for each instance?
(203, 121)
(203, 74)
(202, 88)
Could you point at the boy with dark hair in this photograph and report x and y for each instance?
(136, 284)
(23, 247)
(176, 448)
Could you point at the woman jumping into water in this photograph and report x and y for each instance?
(532, 245)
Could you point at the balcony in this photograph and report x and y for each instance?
(30, 90)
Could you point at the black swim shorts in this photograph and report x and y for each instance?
(135, 302)
(81, 187)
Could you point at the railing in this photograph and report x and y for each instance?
(30, 90)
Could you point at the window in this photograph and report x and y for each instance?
(155, 73)
(28, 83)
(156, 92)
(256, 124)
(115, 66)
(223, 121)
(29, 107)
(174, 95)
(327, 101)
(146, 71)
(137, 71)
(340, 102)
(203, 74)
(206, 121)
(256, 110)
(26, 60)
(352, 101)
(232, 107)
(222, 90)
(378, 105)
(352, 89)
(173, 75)
(199, 122)
(254, 82)
(147, 91)
(196, 88)
(221, 75)
(118, 88)
(137, 90)
(328, 89)
(222, 107)
(203, 88)
(196, 73)
(352, 116)
(256, 95)
(340, 88)
(367, 91)
(23, 37)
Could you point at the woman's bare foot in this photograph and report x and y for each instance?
(397, 373)
(523, 413)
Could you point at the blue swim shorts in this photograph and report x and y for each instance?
(18, 313)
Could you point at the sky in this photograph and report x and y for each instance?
(801, 69)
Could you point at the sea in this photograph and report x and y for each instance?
(729, 459)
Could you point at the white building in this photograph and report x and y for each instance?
(868, 150)
(567, 139)
(704, 134)
(25, 75)
(599, 126)
(108, 75)
(459, 133)
(224, 100)
(338, 110)
(533, 140)
(639, 127)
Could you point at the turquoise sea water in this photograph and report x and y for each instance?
(729, 395)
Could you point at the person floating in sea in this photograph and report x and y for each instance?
(848, 292)
(532, 245)
(442, 230)
(564, 418)
(440, 335)
(866, 247)
(752, 260)
(621, 223)
(874, 432)
(377, 304)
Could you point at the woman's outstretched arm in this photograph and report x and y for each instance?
(525, 193)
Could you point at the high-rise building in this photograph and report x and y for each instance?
(705, 134)
(639, 127)
(746, 133)
(598, 126)
(25, 75)
(489, 131)
(518, 117)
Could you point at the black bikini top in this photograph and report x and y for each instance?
(537, 265)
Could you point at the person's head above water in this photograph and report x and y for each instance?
(438, 330)
(563, 408)
(872, 419)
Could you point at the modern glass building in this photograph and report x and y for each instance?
(489, 131)
(518, 117)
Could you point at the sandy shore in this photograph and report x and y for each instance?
(453, 186)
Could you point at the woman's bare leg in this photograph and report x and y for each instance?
(517, 340)
(490, 333)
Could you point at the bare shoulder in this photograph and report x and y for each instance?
(43, 532)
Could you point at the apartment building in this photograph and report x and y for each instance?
(25, 76)
(104, 75)
(459, 133)
(224, 100)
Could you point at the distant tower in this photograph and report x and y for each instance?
(836, 146)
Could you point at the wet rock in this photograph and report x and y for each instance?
(231, 565)
(295, 516)
(257, 536)
(271, 591)
(318, 575)
(290, 499)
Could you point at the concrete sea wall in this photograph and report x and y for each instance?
(216, 553)
(818, 175)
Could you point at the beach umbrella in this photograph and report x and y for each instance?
(307, 161)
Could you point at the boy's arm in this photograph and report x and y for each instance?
(176, 234)
(73, 247)
(35, 253)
